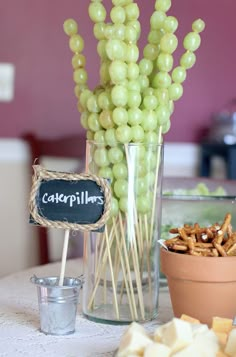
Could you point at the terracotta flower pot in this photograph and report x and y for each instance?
(202, 287)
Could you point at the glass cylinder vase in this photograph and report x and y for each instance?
(122, 259)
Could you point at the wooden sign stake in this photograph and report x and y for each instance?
(64, 256)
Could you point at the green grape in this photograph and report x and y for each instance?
(99, 30)
(115, 155)
(121, 188)
(163, 114)
(70, 27)
(84, 96)
(146, 66)
(151, 160)
(119, 95)
(192, 41)
(77, 90)
(140, 168)
(101, 157)
(123, 204)
(106, 172)
(148, 91)
(150, 178)
(118, 15)
(165, 62)
(104, 100)
(132, 12)
(76, 43)
(120, 170)
(132, 53)
(101, 49)
(166, 127)
(78, 61)
(175, 91)
(120, 116)
(110, 137)
(105, 119)
(163, 5)
(157, 20)
(97, 12)
(161, 80)
(89, 135)
(188, 60)
(150, 102)
(149, 122)
(169, 43)
(123, 134)
(155, 36)
(119, 31)
(118, 71)
(115, 49)
(121, 2)
(141, 186)
(109, 31)
(92, 104)
(134, 99)
(80, 76)
(171, 106)
(93, 122)
(144, 204)
(135, 24)
(143, 81)
(151, 137)
(131, 34)
(84, 119)
(104, 72)
(179, 74)
(198, 25)
(170, 24)
(114, 211)
(99, 136)
(134, 85)
(150, 52)
(135, 116)
(137, 133)
(132, 71)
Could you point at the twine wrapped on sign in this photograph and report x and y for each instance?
(41, 174)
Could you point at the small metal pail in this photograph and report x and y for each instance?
(57, 304)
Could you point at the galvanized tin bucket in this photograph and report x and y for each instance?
(57, 304)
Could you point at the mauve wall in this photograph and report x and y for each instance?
(31, 37)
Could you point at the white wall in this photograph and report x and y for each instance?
(18, 242)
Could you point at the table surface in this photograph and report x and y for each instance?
(19, 320)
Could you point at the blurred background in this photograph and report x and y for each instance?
(37, 95)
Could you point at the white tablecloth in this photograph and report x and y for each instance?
(19, 320)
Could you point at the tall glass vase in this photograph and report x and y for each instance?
(122, 260)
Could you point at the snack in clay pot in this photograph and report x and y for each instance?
(214, 241)
(181, 337)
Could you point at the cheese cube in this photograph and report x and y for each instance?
(230, 348)
(158, 333)
(157, 349)
(220, 324)
(177, 335)
(222, 338)
(134, 341)
(207, 343)
(189, 319)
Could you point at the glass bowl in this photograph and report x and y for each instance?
(196, 200)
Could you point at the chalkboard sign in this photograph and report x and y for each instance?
(68, 200)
